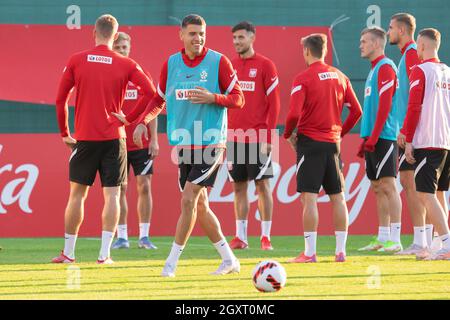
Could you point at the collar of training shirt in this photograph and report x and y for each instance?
(316, 64)
(435, 60)
(197, 59)
(249, 58)
(374, 62)
(406, 46)
(103, 47)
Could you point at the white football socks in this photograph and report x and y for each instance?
(396, 229)
(105, 250)
(69, 245)
(265, 228)
(341, 240)
(144, 229)
(241, 229)
(175, 254)
(310, 243)
(445, 241)
(122, 231)
(429, 235)
(224, 250)
(420, 237)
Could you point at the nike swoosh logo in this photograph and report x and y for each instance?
(146, 162)
(203, 171)
(307, 237)
(273, 79)
(383, 82)
(410, 68)
(234, 73)
(189, 76)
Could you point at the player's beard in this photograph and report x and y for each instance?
(244, 50)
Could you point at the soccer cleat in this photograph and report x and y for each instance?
(237, 243)
(227, 267)
(412, 249)
(120, 243)
(62, 258)
(442, 254)
(302, 258)
(105, 261)
(390, 246)
(265, 244)
(374, 245)
(168, 270)
(340, 257)
(145, 243)
(424, 254)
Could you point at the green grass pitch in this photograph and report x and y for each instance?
(25, 272)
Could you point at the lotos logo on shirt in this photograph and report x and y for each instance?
(247, 85)
(442, 85)
(328, 75)
(131, 94)
(99, 59)
(183, 94)
(367, 91)
(252, 73)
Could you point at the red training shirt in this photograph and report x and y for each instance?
(100, 76)
(318, 96)
(258, 79)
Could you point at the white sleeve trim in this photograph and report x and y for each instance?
(386, 87)
(161, 94)
(295, 89)
(413, 84)
(272, 86)
(231, 86)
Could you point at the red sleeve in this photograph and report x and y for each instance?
(232, 96)
(140, 79)
(387, 83)
(416, 94)
(157, 103)
(272, 88)
(352, 103)
(411, 59)
(62, 98)
(298, 96)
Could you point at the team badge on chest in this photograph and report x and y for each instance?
(252, 73)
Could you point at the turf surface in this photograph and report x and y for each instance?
(25, 272)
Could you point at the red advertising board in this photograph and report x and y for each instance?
(34, 190)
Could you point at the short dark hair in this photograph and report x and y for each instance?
(123, 36)
(432, 34)
(244, 25)
(316, 43)
(193, 19)
(407, 19)
(106, 26)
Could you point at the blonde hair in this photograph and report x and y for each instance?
(106, 26)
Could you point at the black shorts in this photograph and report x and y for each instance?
(383, 161)
(199, 166)
(318, 164)
(246, 162)
(109, 158)
(140, 161)
(432, 170)
(403, 165)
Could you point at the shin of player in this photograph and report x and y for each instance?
(100, 76)
(201, 80)
(141, 159)
(320, 90)
(427, 132)
(249, 146)
(379, 129)
(401, 34)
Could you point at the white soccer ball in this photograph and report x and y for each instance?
(269, 276)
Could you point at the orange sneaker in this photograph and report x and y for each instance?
(302, 258)
(265, 244)
(237, 243)
(62, 258)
